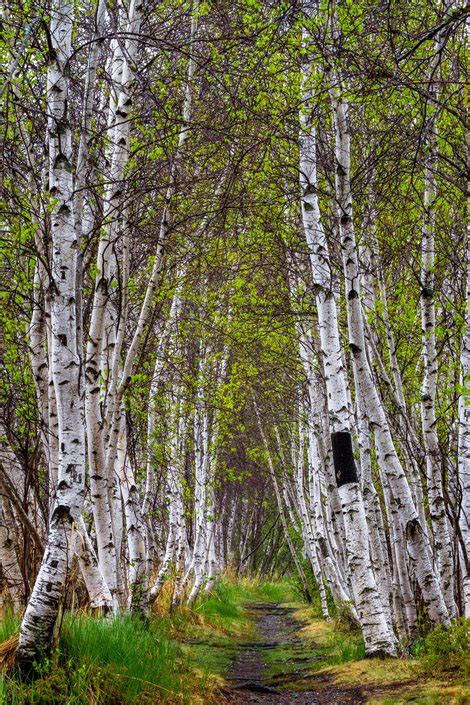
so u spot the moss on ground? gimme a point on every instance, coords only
(438, 675)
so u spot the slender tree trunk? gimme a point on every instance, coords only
(378, 636)
(437, 510)
(98, 591)
(102, 331)
(464, 443)
(135, 526)
(174, 500)
(36, 631)
(405, 512)
(285, 526)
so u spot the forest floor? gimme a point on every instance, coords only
(247, 642)
(282, 653)
(275, 668)
(287, 664)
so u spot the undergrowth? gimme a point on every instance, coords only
(445, 649)
(110, 662)
(177, 656)
(345, 646)
(223, 624)
(9, 625)
(125, 661)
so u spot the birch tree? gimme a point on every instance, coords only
(41, 613)
(377, 634)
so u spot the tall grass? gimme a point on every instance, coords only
(224, 606)
(345, 646)
(9, 625)
(123, 661)
(141, 657)
(111, 662)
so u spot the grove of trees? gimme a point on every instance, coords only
(234, 307)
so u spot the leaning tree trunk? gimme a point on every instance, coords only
(378, 636)
(37, 628)
(403, 508)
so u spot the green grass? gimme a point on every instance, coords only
(213, 651)
(253, 590)
(346, 648)
(175, 657)
(225, 624)
(303, 653)
(137, 654)
(109, 661)
(124, 661)
(8, 626)
(223, 608)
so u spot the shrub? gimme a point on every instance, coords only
(445, 648)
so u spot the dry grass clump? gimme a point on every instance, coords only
(7, 652)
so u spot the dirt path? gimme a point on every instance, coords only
(275, 669)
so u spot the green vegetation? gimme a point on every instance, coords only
(170, 658)
(446, 650)
(436, 673)
(8, 626)
(228, 594)
(183, 656)
(224, 624)
(110, 661)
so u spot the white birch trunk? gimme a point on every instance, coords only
(277, 492)
(309, 540)
(437, 510)
(175, 501)
(135, 527)
(377, 538)
(102, 322)
(463, 461)
(405, 511)
(378, 636)
(150, 490)
(98, 592)
(38, 623)
(202, 528)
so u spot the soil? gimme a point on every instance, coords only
(253, 678)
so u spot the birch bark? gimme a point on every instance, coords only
(378, 636)
(463, 462)
(102, 322)
(404, 510)
(277, 492)
(437, 511)
(41, 613)
(175, 500)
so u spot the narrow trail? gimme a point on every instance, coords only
(273, 668)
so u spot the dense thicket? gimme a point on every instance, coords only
(235, 324)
